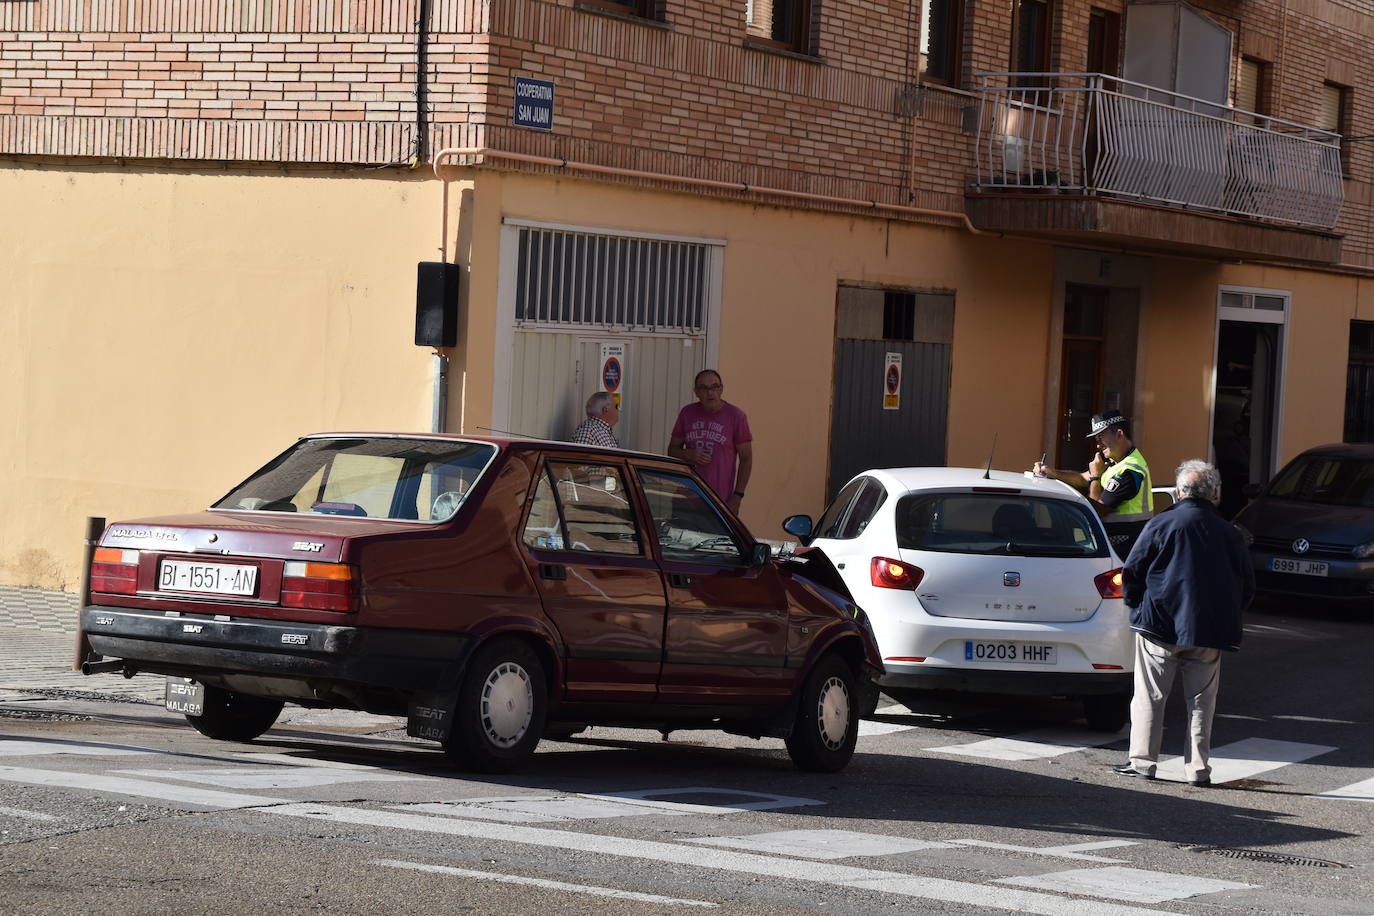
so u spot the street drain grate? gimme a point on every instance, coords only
(1273, 858)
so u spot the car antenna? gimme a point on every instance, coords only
(987, 474)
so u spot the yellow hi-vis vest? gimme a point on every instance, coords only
(1140, 507)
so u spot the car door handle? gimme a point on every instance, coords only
(553, 571)
(679, 580)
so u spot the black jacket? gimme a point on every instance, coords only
(1188, 578)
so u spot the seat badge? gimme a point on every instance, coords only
(312, 546)
(1011, 579)
(1301, 545)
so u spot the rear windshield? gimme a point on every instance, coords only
(423, 480)
(998, 524)
(1328, 480)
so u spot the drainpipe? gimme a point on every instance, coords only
(422, 80)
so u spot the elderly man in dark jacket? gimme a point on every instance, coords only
(1187, 581)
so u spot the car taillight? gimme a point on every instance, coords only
(1109, 584)
(114, 571)
(886, 573)
(319, 586)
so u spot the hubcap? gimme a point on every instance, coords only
(507, 704)
(832, 713)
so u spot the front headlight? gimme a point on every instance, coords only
(1245, 533)
(1360, 551)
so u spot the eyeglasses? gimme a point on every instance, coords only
(715, 387)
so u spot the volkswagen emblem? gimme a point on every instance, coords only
(1011, 579)
(1301, 546)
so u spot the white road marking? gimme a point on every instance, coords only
(16, 747)
(540, 882)
(138, 788)
(295, 761)
(1317, 720)
(1246, 758)
(1134, 885)
(1033, 745)
(26, 815)
(1074, 851)
(822, 844)
(268, 777)
(869, 728)
(943, 889)
(1358, 791)
(533, 809)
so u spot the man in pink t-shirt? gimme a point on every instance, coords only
(712, 435)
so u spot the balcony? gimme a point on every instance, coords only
(1093, 159)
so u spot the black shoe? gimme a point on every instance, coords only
(1128, 769)
(1202, 782)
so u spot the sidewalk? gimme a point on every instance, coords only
(37, 633)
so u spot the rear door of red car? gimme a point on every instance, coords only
(726, 640)
(598, 581)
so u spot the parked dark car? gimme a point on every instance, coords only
(1311, 529)
(486, 589)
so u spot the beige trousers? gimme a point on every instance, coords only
(1155, 668)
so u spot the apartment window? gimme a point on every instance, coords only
(1252, 86)
(1104, 42)
(1031, 39)
(1335, 116)
(942, 37)
(642, 8)
(784, 24)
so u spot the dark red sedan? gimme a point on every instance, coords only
(489, 590)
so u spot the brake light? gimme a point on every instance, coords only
(1109, 584)
(319, 586)
(886, 573)
(114, 571)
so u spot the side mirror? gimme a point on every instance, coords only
(760, 555)
(800, 525)
(1251, 490)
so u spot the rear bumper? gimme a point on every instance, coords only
(1019, 683)
(205, 648)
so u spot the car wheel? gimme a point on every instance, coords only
(230, 716)
(827, 724)
(1107, 712)
(501, 709)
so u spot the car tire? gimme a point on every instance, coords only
(230, 716)
(1107, 712)
(827, 724)
(501, 709)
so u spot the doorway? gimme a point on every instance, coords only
(1244, 407)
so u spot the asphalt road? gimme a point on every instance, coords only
(953, 806)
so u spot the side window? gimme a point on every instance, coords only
(688, 525)
(833, 516)
(869, 500)
(582, 507)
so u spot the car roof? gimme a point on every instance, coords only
(505, 443)
(942, 478)
(1343, 450)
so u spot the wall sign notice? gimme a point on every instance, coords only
(892, 382)
(613, 369)
(533, 103)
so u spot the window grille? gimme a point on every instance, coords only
(579, 279)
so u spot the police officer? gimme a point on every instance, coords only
(1117, 481)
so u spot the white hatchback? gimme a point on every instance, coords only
(981, 581)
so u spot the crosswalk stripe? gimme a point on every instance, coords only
(541, 882)
(1247, 758)
(1358, 791)
(1033, 745)
(977, 896)
(25, 815)
(139, 788)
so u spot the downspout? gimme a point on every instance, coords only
(421, 144)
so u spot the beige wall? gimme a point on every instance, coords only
(165, 333)
(168, 332)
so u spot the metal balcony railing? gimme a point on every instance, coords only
(1086, 133)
